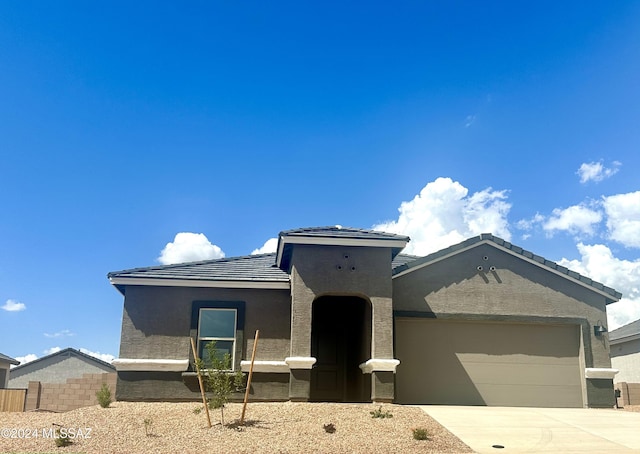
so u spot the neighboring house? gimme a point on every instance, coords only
(57, 368)
(625, 352)
(344, 316)
(5, 365)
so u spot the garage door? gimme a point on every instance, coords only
(477, 363)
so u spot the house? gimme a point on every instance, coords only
(345, 316)
(625, 352)
(57, 368)
(5, 365)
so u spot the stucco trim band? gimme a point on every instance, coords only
(600, 372)
(300, 362)
(265, 366)
(147, 364)
(379, 365)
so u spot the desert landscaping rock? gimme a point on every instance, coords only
(285, 427)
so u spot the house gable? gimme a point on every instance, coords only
(610, 294)
(57, 368)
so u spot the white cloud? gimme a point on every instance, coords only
(63, 333)
(189, 247)
(269, 246)
(623, 218)
(577, 219)
(52, 350)
(595, 171)
(443, 214)
(597, 262)
(469, 120)
(13, 306)
(106, 357)
(25, 359)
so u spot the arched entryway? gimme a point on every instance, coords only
(340, 342)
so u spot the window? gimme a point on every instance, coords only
(219, 325)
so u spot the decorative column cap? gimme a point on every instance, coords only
(379, 365)
(300, 362)
(600, 372)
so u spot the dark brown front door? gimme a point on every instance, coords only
(340, 343)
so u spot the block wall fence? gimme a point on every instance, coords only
(75, 393)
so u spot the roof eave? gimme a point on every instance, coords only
(120, 282)
(396, 244)
(624, 339)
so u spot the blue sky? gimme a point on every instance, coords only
(124, 124)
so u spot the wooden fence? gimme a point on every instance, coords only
(12, 399)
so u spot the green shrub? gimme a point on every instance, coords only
(148, 423)
(62, 439)
(420, 434)
(104, 396)
(381, 414)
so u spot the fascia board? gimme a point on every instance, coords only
(337, 241)
(161, 282)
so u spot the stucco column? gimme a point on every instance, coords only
(382, 372)
(300, 361)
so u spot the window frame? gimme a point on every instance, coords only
(219, 338)
(239, 306)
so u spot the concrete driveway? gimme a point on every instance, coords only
(559, 430)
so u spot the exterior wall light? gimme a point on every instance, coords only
(599, 330)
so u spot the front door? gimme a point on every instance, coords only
(340, 342)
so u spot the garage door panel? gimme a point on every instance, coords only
(523, 373)
(528, 395)
(484, 363)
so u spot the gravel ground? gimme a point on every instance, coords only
(269, 428)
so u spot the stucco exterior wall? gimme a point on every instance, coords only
(516, 291)
(625, 357)
(342, 270)
(156, 324)
(55, 370)
(4, 374)
(156, 321)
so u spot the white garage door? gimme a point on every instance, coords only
(486, 363)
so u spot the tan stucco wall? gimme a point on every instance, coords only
(626, 358)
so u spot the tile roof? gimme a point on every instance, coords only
(631, 329)
(9, 359)
(343, 232)
(248, 268)
(611, 293)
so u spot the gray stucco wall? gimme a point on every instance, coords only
(156, 321)
(625, 357)
(4, 373)
(342, 270)
(515, 291)
(156, 324)
(54, 370)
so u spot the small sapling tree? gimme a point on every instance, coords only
(219, 380)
